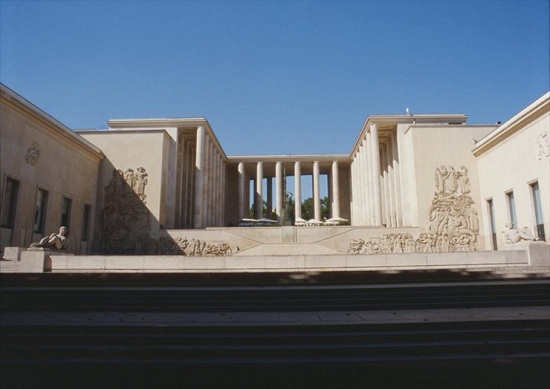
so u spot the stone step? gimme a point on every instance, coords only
(263, 299)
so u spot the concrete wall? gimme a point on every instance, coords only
(66, 166)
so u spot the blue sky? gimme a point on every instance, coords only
(279, 77)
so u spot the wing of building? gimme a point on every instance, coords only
(428, 182)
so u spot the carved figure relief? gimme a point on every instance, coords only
(543, 145)
(140, 180)
(193, 247)
(453, 222)
(33, 153)
(124, 216)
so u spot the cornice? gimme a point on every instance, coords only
(163, 123)
(412, 119)
(532, 112)
(16, 102)
(287, 158)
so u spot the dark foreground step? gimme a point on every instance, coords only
(274, 345)
(305, 298)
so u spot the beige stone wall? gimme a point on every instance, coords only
(147, 149)
(448, 146)
(512, 165)
(66, 167)
(409, 200)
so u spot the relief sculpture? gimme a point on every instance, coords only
(543, 146)
(193, 248)
(33, 153)
(453, 222)
(124, 216)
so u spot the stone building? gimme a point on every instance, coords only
(49, 176)
(411, 183)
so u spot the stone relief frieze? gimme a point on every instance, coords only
(124, 215)
(33, 154)
(543, 146)
(193, 247)
(453, 221)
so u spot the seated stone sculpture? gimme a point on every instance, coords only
(513, 235)
(54, 241)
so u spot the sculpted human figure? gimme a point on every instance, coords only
(451, 183)
(141, 180)
(463, 180)
(55, 241)
(441, 175)
(129, 177)
(514, 235)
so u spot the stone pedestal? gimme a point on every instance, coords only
(537, 252)
(13, 253)
(36, 261)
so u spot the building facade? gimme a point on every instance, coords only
(458, 185)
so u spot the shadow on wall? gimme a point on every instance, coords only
(125, 224)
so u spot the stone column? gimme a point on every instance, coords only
(217, 204)
(316, 192)
(259, 197)
(206, 183)
(370, 193)
(353, 180)
(386, 195)
(222, 192)
(269, 197)
(397, 182)
(391, 187)
(360, 188)
(365, 183)
(297, 190)
(335, 190)
(375, 158)
(199, 171)
(279, 191)
(242, 197)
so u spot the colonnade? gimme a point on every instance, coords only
(210, 177)
(376, 185)
(259, 195)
